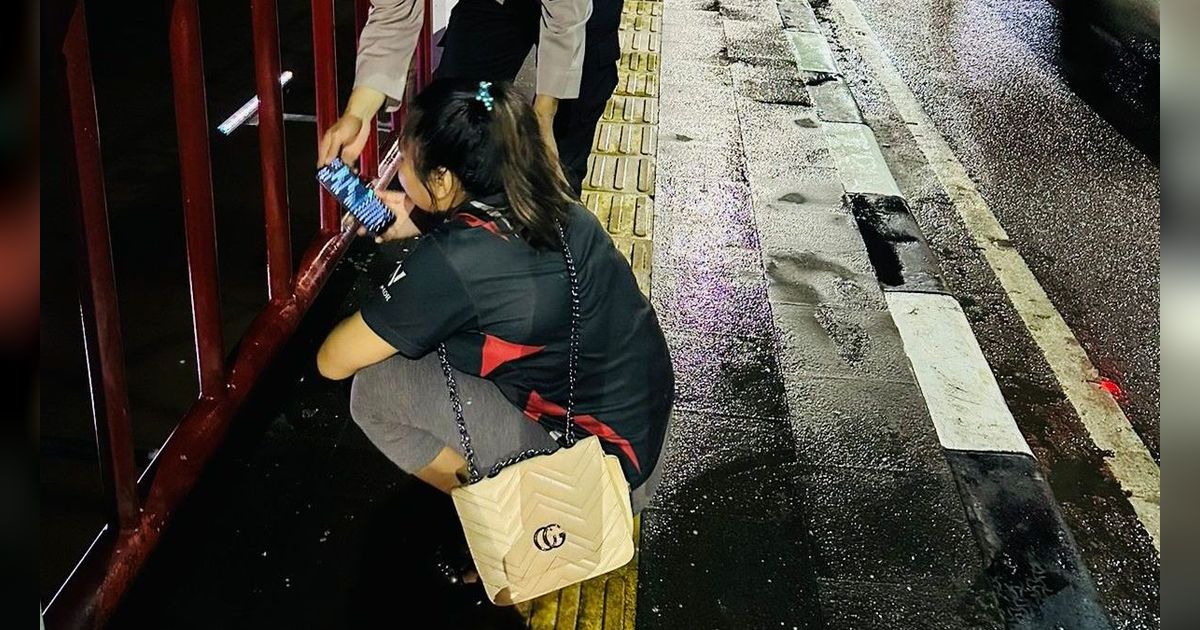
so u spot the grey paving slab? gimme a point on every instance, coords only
(713, 300)
(834, 101)
(840, 280)
(705, 48)
(827, 341)
(735, 466)
(726, 374)
(807, 230)
(698, 115)
(817, 188)
(694, 75)
(696, 218)
(686, 201)
(688, 12)
(798, 15)
(685, 158)
(747, 41)
(770, 81)
(867, 424)
(888, 526)
(725, 259)
(779, 138)
(812, 52)
(697, 127)
(852, 605)
(763, 11)
(702, 571)
(705, 244)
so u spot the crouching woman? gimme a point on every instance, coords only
(488, 281)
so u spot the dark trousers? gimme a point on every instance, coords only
(488, 41)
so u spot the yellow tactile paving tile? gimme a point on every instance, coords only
(631, 109)
(647, 23)
(639, 61)
(640, 41)
(637, 84)
(608, 602)
(622, 214)
(643, 7)
(625, 139)
(619, 190)
(620, 173)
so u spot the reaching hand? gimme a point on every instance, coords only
(345, 139)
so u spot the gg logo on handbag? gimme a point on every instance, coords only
(549, 537)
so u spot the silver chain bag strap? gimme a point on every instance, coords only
(543, 519)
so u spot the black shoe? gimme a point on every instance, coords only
(454, 563)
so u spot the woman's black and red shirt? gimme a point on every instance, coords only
(502, 308)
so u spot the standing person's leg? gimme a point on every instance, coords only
(486, 40)
(575, 123)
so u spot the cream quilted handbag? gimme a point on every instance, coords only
(543, 520)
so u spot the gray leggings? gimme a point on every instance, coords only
(404, 409)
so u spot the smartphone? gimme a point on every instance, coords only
(356, 196)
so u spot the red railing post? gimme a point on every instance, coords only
(191, 126)
(98, 292)
(368, 163)
(265, 25)
(93, 591)
(325, 69)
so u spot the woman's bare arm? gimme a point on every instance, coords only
(350, 347)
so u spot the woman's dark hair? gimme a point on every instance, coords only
(490, 150)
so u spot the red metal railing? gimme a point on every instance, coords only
(95, 587)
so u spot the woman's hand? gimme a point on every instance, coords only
(401, 206)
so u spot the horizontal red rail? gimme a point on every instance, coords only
(93, 591)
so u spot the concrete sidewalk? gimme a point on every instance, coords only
(805, 485)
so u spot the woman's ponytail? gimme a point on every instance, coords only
(537, 191)
(486, 134)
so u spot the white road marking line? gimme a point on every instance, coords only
(1128, 459)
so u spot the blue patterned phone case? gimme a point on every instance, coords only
(356, 196)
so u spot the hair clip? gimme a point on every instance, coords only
(484, 95)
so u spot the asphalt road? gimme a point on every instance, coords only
(1078, 199)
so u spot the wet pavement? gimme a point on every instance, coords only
(804, 486)
(1078, 199)
(1081, 205)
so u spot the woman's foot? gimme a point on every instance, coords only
(454, 563)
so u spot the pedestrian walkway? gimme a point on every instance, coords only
(804, 486)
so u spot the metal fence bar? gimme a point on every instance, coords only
(98, 295)
(195, 165)
(203, 429)
(325, 79)
(265, 25)
(93, 591)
